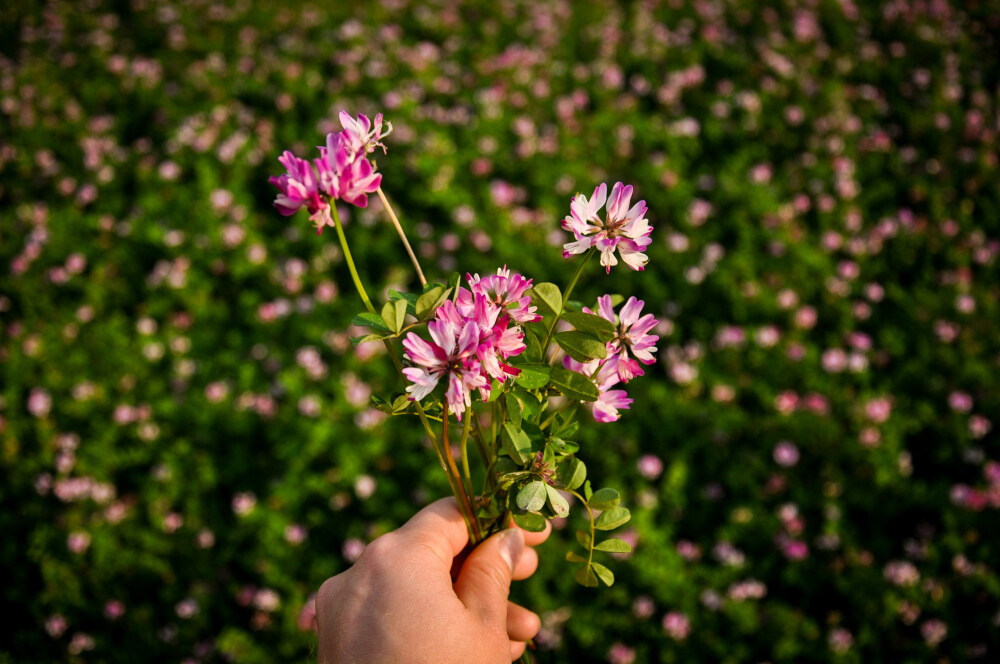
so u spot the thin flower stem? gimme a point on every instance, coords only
(402, 235)
(350, 260)
(440, 447)
(463, 445)
(544, 425)
(565, 298)
(590, 512)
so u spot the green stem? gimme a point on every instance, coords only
(463, 445)
(548, 420)
(593, 532)
(565, 298)
(350, 260)
(441, 449)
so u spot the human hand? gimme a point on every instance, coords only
(398, 602)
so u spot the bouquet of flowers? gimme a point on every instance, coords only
(500, 361)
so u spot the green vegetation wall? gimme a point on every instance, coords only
(188, 447)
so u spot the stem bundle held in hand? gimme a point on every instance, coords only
(486, 358)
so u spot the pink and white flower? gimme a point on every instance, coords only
(632, 343)
(610, 401)
(624, 229)
(363, 137)
(505, 290)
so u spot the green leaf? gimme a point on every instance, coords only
(614, 546)
(381, 404)
(533, 347)
(585, 577)
(547, 296)
(496, 389)
(604, 499)
(581, 346)
(558, 504)
(572, 473)
(531, 497)
(367, 319)
(454, 281)
(604, 574)
(614, 517)
(600, 327)
(409, 298)
(574, 385)
(400, 314)
(515, 442)
(531, 404)
(430, 301)
(533, 376)
(616, 299)
(583, 537)
(588, 493)
(575, 557)
(533, 523)
(401, 403)
(389, 314)
(369, 337)
(514, 409)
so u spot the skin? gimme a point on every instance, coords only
(399, 603)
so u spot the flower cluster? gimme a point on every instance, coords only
(341, 172)
(631, 344)
(624, 230)
(471, 340)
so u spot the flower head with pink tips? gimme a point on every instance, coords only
(632, 343)
(624, 229)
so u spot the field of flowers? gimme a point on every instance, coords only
(188, 443)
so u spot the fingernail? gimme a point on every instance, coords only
(511, 546)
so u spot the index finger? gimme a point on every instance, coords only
(440, 527)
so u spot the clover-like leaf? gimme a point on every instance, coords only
(574, 385)
(582, 346)
(559, 505)
(605, 499)
(547, 296)
(600, 327)
(531, 496)
(603, 573)
(614, 545)
(614, 517)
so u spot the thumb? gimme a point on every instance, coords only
(484, 582)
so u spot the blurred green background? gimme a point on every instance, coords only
(188, 449)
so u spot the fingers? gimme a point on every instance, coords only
(517, 649)
(534, 539)
(522, 624)
(527, 565)
(439, 527)
(484, 582)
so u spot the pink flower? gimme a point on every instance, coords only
(362, 136)
(505, 290)
(451, 353)
(632, 336)
(606, 407)
(298, 187)
(470, 341)
(676, 625)
(342, 174)
(625, 229)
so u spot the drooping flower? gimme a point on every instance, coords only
(610, 401)
(505, 290)
(298, 187)
(624, 229)
(632, 343)
(344, 173)
(364, 138)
